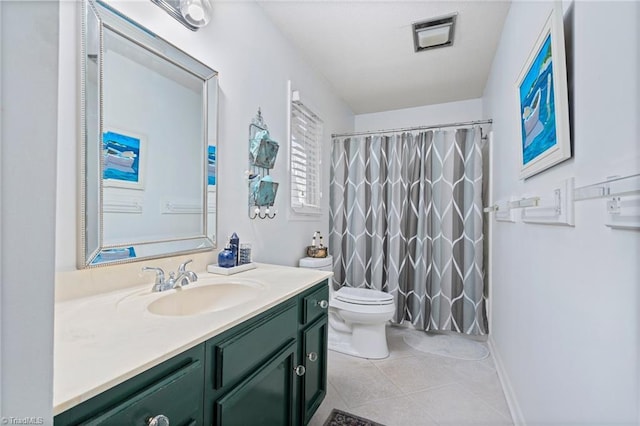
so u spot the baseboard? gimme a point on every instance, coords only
(509, 394)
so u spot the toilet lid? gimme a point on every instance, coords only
(363, 296)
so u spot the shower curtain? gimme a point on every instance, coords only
(406, 218)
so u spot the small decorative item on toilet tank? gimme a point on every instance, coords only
(314, 250)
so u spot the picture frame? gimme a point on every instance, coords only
(543, 100)
(123, 159)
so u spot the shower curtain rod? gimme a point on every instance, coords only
(408, 129)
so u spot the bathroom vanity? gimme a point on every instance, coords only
(256, 361)
(247, 349)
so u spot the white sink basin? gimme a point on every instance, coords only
(204, 298)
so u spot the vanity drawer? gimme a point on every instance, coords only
(243, 352)
(173, 389)
(315, 304)
(178, 397)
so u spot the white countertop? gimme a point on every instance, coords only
(103, 340)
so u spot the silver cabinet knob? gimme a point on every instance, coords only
(323, 304)
(313, 357)
(159, 420)
(300, 370)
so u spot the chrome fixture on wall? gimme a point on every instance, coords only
(193, 14)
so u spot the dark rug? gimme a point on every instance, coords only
(340, 418)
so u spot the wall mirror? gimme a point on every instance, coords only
(148, 144)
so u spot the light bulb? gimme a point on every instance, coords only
(196, 12)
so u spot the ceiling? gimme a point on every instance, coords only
(365, 48)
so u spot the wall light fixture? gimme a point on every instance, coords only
(193, 14)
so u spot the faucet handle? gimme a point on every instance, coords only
(159, 273)
(183, 266)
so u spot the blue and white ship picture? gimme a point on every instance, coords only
(211, 165)
(121, 157)
(537, 106)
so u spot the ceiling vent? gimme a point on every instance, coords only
(434, 33)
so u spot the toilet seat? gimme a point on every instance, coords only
(363, 296)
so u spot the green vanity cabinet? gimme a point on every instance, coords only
(269, 370)
(273, 371)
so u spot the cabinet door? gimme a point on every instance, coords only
(314, 381)
(265, 398)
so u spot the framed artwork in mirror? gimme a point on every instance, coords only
(543, 100)
(123, 159)
(211, 165)
(110, 255)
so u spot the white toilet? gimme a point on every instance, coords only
(357, 316)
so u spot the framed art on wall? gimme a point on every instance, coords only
(543, 100)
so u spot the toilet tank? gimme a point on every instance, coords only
(321, 263)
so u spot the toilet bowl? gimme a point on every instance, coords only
(357, 317)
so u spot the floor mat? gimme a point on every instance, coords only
(340, 418)
(448, 345)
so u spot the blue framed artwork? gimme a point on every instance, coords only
(543, 100)
(123, 159)
(211, 165)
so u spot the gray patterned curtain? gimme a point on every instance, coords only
(406, 218)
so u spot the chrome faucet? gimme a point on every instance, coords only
(184, 277)
(160, 284)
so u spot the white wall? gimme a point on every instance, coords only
(565, 300)
(29, 34)
(428, 115)
(254, 62)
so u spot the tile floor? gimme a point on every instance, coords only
(414, 388)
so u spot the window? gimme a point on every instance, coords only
(305, 159)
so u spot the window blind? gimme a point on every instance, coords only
(306, 159)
